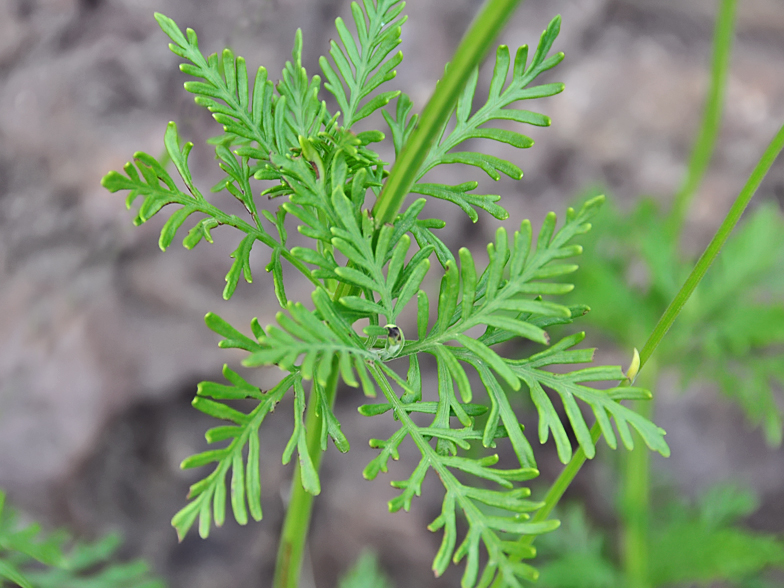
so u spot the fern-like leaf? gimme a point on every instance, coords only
(500, 97)
(209, 495)
(378, 32)
(603, 403)
(461, 196)
(227, 96)
(514, 307)
(283, 135)
(506, 305)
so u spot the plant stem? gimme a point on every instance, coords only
(711, 118)
(297, 521)
(710, 253)
(696, 275)
(569, 472)
(635, 508)
(701, 152)
(472, 49)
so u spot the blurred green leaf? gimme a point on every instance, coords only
(365, 573)
(32, 559)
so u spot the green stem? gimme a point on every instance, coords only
(635, 510)
(568, 474)
(295, 527)
(472, 49)
(721, 236)
(669, 316)
(711, 118)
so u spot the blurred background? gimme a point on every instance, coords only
(102, 339)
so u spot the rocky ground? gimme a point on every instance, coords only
(101, 335)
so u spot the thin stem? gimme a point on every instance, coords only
(295, 526)
(635, 510)
(711, 118)
(472, 49)
(721, 236)
(568, 474)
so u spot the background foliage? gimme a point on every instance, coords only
(32, 559)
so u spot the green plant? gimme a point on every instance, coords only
(368, 264)
(32, 560)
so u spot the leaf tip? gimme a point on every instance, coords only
(555, 24)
